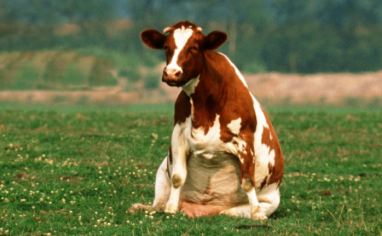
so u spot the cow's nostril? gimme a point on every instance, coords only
(172, 74)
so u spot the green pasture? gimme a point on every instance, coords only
(76, 171)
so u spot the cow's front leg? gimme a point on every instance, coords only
(179, 168)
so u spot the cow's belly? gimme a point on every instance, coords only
(214, 180)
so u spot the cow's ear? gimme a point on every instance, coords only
(153, 38)
(214, 40)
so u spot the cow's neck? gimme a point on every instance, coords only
(207, 92)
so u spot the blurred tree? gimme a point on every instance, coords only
(350, 13)
(48, 12)
(324, 35)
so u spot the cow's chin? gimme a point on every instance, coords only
(175, 83)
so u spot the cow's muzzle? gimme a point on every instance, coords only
(172, 77)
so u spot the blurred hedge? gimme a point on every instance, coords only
(264, 35)
(302, 48)
(54, 70)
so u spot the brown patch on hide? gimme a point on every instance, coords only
(264, 182)
(169, 162)
(182, 108)
(170, 154)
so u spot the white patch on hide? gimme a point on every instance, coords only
(181, 37)
(264, 156)
(208, 155)
(178, 144)
(252, 198)
(269, 198)
(201, 142)
(235, 126)
(269, 193)
(241, 145)
(189, 87)
(162, 185)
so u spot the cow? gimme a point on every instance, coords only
(224, 156)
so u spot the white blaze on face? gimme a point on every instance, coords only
(181, 37)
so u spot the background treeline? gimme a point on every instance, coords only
(293, 36)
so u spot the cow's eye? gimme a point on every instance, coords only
(165, 48)
(193, 50)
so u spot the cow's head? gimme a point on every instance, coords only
(184, 45)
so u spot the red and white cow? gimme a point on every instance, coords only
(224, 155)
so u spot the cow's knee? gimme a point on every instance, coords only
(176, 180)
(247, 184)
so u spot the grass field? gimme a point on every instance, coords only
(75, 171)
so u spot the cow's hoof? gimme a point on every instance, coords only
(259, 216)
(228, 212)
(257, 213)
(171, 208)
(159, 207)
(236, 213)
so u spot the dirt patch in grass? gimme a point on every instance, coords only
(321, 89)
(268, 88)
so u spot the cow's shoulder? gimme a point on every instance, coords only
(182, 108)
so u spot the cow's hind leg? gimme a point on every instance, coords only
(269, 200)
(255, 208)
(162, 186)
(247, 180)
